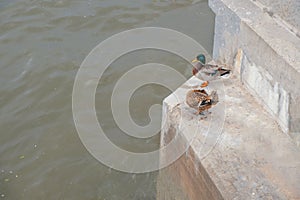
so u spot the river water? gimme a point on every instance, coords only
(42, 44)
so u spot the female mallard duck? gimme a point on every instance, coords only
(200, 100)
(207, 72)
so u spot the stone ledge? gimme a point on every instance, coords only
(251, 158)
(268, 48)
(277, 36)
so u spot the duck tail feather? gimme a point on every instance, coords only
(225, 71)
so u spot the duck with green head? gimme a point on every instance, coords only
(207, 72)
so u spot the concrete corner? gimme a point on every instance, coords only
(265, 54)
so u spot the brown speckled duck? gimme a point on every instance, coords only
(200, 100)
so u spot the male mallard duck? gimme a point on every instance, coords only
(200, 100)
(207, 72)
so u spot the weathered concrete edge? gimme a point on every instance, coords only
(274, 55)
(252, 158)
(253, 15)
(235, 45)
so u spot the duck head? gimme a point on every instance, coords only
(200, 58)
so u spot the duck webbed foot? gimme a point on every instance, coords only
(203, 114)
(200, 113)
(204, 84)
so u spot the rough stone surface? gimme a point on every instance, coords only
(270, 61)
(249, 157)
(239, 151)
(287, 10)
(273, 96)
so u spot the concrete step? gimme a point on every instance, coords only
(268, 52)
(237, 152)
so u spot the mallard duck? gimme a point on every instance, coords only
(207, 72)
(200, 100)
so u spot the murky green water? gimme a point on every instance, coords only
(42, 44)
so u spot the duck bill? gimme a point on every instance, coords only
(195, 60)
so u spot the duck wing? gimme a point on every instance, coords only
(194, 98)
(210, 69)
